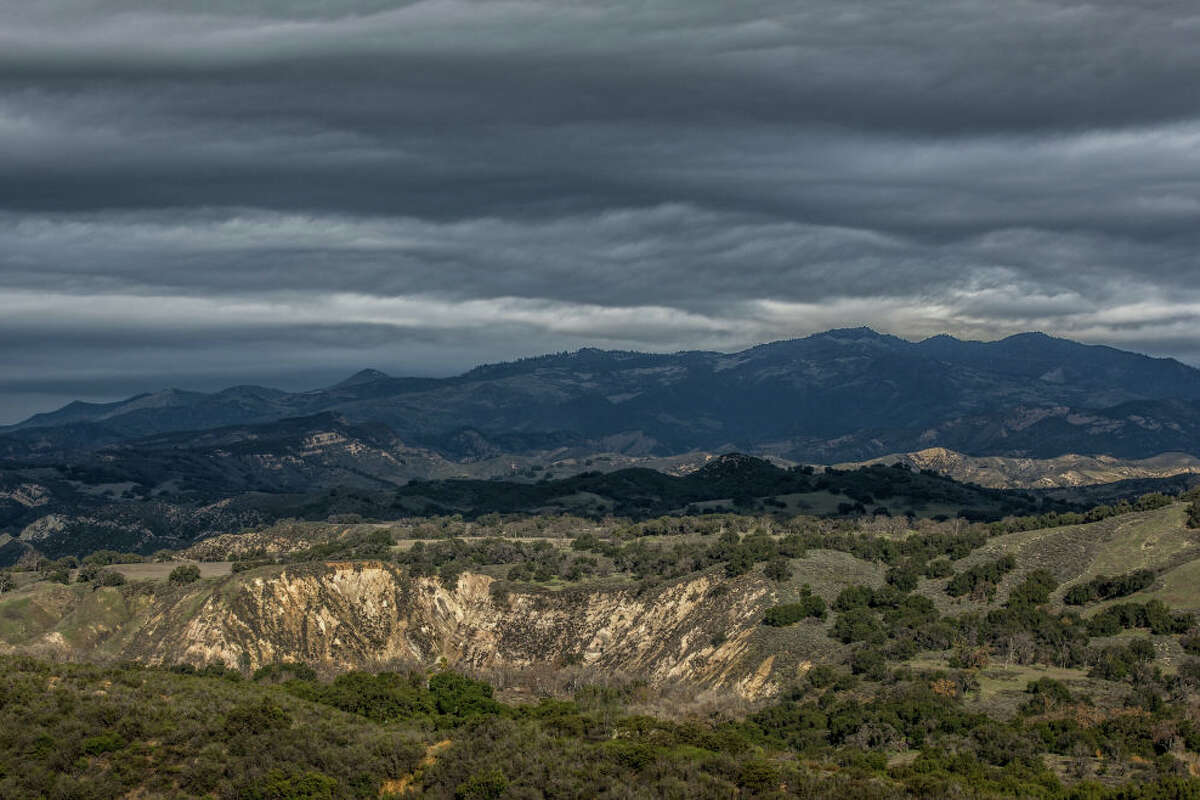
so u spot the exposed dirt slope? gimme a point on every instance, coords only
(357, 614)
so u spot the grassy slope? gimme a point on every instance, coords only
(1150, 540)
(1157, 540)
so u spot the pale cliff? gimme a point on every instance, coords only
(704, 631)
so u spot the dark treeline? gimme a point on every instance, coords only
(735, 482)
(1058, 519)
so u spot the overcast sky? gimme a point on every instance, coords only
(207, 192)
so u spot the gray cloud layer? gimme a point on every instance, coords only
(201, 192)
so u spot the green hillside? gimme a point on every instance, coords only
(714, 655)
(1159, 541)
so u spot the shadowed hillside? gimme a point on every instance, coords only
(840, 395)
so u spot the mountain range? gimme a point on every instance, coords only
(842, 395)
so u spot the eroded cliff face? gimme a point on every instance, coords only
(703, 631)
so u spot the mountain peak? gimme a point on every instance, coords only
(364, 376)
(852, 333)
(1032, 336)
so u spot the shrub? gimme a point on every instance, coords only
(858, 625)
(759, 776)
(1118, 663)
(854, 597)
(104, 743)
(981, 577)
(460, 697)
(822, 675)
(869, 662)
(904, 580)
(384, 697)
(489, 785)
(284, 670)
(280, 785)
(741, 560)
(184, 574)
(784, 615)
(1190, 670)
(450, 571)
(939, 568)
(778, 569)
(1047, 693)
(634, 755)
(810, 605)
(110, 577)
(1034, 590)
(256, 718)
(106, 558)
(1154, 615)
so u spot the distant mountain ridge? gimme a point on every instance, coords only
(842, 395)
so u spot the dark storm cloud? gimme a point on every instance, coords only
(909, 65)
(259, 190)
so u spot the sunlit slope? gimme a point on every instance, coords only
(704, 630)
(1157, 540)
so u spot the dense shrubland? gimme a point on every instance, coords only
(75, 731)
